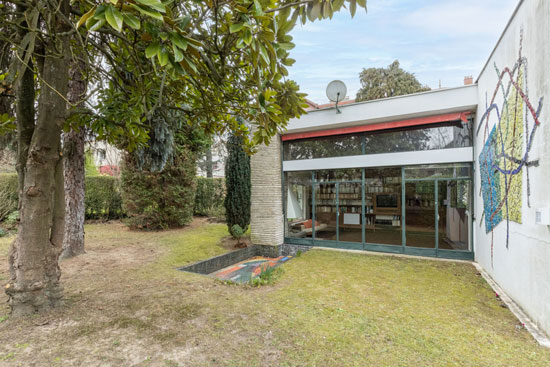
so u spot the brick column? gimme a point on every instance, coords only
(266, 220)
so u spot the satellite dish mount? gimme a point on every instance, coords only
(336, 92)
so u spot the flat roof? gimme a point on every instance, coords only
(434, 102)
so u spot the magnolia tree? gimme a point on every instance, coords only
(212, 60)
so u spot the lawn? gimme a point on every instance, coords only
(126, 305)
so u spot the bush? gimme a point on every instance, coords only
(11, 220)
(159, 200)
(102, 198)
(209, 196)
(9, 197)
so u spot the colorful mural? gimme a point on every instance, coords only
(505, 155)
(246, 270)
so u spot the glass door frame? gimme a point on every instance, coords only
(418, 251)
(337, 243)
(436, 250)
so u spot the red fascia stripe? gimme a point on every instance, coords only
(381, 126)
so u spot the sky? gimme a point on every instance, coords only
(437, 40)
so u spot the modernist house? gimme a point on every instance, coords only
(459, 173)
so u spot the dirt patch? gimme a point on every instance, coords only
(230, 243)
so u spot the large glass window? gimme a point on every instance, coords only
(326, 211)
(383, 206)
(456, 170)
(298, 205)
(454, 214)
(350, 210)
(418, 138)
(339, 175)
(330, 146)
(372, 208)
(420, 214)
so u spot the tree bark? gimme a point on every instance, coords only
(73, 166)
(34, 271)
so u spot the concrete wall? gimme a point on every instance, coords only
(510, 246)
(266, 219)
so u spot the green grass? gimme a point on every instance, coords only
(326, 308)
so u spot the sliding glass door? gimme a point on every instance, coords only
(421, 210)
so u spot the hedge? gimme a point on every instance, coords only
(8, 194)
(210, 196)
(102, 198)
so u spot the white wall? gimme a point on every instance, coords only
(522, 269)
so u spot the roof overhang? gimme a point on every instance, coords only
(429, 120)
(438, 104)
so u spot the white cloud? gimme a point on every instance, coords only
(460, 18)
(441, 40)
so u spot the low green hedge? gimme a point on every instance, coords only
(102, 198)
(209, 196)
(8, 194)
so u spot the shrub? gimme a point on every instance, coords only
(11, 220)
(159, 200)
(210, 196)
(102, 198)
(237, 180)
(9, 197)
(237, 233)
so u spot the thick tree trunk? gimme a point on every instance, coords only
(73, 157)
(34, 271)
(209, 163)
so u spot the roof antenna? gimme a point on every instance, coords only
(336, 92)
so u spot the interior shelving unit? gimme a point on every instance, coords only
(382, 202)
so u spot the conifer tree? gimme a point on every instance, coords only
(237, 180)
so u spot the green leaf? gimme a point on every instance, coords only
(184, 22)
(337, 4)
(154, 4)
(235, 27)
(152, 14)
(114, 18)
(85, 17)
(132, 21)
(247, 37)
(163, 56)
(264, 54)
(352, 7)
(152, 50)
(286, 45)
(288, 61)
(97, 25)
(258, 8)
(179, 41)
(178, 55)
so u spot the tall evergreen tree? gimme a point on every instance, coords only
(387, 82)
(237, 180)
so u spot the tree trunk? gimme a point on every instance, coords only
(209, 163)
(34, 271)
(73, 157)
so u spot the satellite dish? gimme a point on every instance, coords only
(336, 92)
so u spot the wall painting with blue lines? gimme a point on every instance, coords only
(505, 154)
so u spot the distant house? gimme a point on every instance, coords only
(106, 157)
